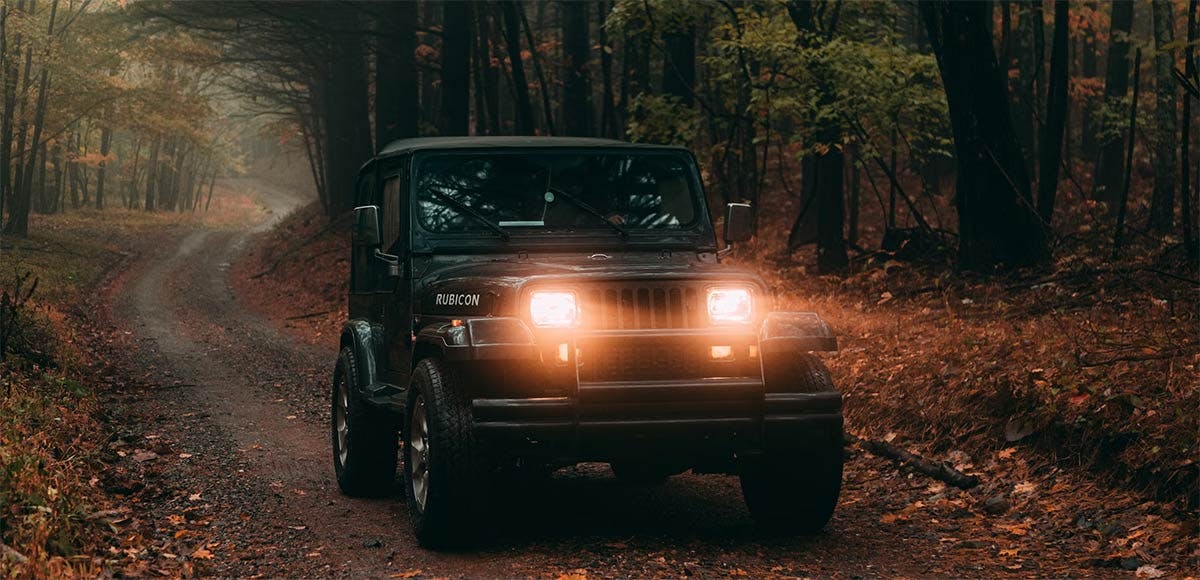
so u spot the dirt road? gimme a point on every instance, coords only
(239, 416)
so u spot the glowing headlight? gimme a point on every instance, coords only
(554, 309)
(730, 306)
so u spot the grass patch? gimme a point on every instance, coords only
(52, 507)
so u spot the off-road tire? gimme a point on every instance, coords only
(447, 519)
(369, 466)
(795, 489)
(803, 373)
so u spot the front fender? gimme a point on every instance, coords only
(360, 336)
(792, 332)
(478, 339)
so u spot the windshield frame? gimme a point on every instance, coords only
(699, 235)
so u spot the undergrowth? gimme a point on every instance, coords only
(53, 516)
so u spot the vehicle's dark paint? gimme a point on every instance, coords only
(366, 340)
(643, 392)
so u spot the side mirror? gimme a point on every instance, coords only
(366, 226)
(739, 222)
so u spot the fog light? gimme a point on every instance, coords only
(721, 352)
(563, 352)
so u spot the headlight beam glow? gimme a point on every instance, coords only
(730, 306)
(554, 309)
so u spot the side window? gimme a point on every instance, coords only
(391, 211)
(366, 188)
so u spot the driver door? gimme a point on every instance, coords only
(397, 296)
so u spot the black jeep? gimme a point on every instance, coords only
(522, 304)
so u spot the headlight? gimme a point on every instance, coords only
(730, 306)
(554, 309)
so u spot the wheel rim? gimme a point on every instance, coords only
(341, 420)
(418, 453)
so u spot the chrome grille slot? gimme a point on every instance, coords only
(629, 306)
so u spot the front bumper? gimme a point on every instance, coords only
(530, 399)
(565, 427)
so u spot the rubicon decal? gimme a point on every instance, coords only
(448, 299)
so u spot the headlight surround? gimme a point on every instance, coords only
(730, 306)
(554, 309)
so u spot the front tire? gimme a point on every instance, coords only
(441, 458)
(795, 488)
(364, 440)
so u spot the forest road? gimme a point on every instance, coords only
(244, 412)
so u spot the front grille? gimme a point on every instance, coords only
(625, 361)
(642, 306)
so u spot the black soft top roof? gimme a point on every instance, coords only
(443, 143)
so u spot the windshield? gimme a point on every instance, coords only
(533, 191)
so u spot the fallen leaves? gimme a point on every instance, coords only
(1025, 487)
(144, 456)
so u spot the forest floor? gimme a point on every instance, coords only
(215, 345)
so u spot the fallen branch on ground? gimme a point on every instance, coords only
(1088, 359)
(938, 470)
(13, 554)
(309, 315)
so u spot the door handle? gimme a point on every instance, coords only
(393, 263)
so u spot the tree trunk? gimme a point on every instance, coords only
(43, 200)
(804, 228)
(133, 174)
(1089, 69)
(152, 175)
(1026, 82)
(347, 117)
(1116, 87)
(854, 196)
(543, 86)
(9, 87)
(18, 221)
(608, 115)
(166, 177)
(512, 41)
(396, 88)
(1185, 179)
(17, 188)
(1123, 200)
(1162, 203)
(577, 88)
(679, 65)
(1056, 116)
(456, 70)
(212, 182)
(57, 192)
(105, 145)
(831, 243)
(489, 74)
(997, 223)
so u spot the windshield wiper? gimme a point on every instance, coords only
(579, 203)
(466, 209)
